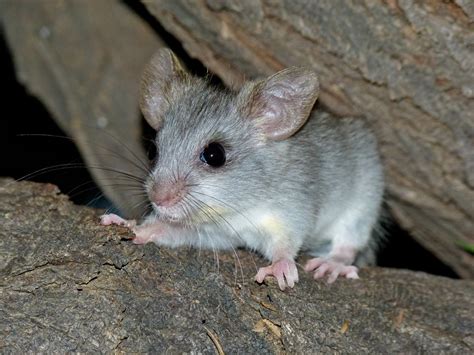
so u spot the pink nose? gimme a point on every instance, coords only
(166, 195)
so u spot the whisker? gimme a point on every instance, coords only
(97, 197)
(225, 204)
(133, 183)
(214, 249)
(228, 224)
(66, 166)
(143, 167)
(123, 186)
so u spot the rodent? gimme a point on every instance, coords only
(258, 168)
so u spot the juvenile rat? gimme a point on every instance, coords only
(258, 168)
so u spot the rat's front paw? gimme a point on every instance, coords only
(283, 270)
(333, 269)
(147, 233)
(143, 234)
(108, 219)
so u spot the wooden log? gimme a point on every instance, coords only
(407, 66)
(84, 61)
(68, 284)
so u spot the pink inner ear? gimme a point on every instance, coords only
(281, 104)
(278, 121)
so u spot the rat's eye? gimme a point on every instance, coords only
(213, 155)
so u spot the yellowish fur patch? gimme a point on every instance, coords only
(272, 225)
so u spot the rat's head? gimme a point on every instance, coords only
(213, 144)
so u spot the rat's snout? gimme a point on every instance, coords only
(167, 194)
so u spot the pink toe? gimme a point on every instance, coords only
(262, 273)
(108, 219)
(290, 282)
(294, 273)
(352, 275)
(313, 264)
(333, 276)
(321, 271)
(349, 270)
(284, 271)
(259, 277)
(291, 275)
(281, 282)
(139, 241)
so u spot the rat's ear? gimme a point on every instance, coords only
(281, 104)
(163, 70)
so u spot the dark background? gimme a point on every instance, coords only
(30, 157)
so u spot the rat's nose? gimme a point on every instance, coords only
(167, 194)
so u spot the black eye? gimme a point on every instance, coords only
(213, 155)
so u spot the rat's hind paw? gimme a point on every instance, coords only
(283, 270)
(108, 219)
(333, 269)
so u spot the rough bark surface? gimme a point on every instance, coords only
(84, 60)
(408, 66)
(69, 284)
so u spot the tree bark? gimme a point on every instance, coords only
(407, 66)
(84, 60)
(68, 284)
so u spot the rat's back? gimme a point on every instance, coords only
(344, 181)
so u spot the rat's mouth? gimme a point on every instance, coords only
(173, 215)
(183, 215)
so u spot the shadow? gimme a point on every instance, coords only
(23, 153)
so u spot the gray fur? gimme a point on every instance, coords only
(323, 184)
